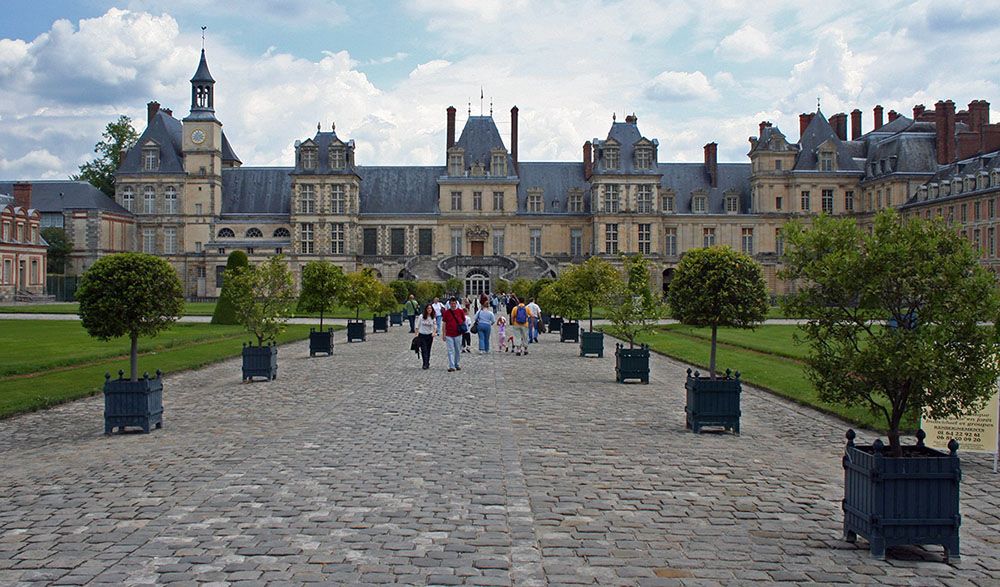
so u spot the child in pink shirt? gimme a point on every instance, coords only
(502, 333)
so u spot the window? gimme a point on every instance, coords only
(306, 237)
(965, 212)
(575, 202)
(219, 274)
(150, 159)
(849, 201)
(747, 241)
(611, 239)
(197, 209)
(254, 233)
(977, 241)
(226, 233)
(498, 164)
(535, 202)
(888, 196)
(611, 157)
(991, 242)
(804, 201)
(455, 164)
(826, 161)
(369, 241)
(644, 199)
(198, 247)
(477, 200)
(170, 200)
(976, 210)
(708, 237)
(456, 200)
(778, 201)
(128, 199)
(148, 240)
(308, 158)
(732, 204)
(611, 199)
(699, 204)
(645, 238)
(425, 241)
(779, 242)
(535, 242)
(670, 240)
(668, 202)
(307, 199)
(827, 201)
(878, 199)
(337, 159)
(170, 240)
(8, 271)
(148, 200)
(498, 244)
(456, 241)
(338, 202)
(397, 241)
(576, 242)
(282, 233)
(554, 205)
(777, 164)
(498, 200)
(643, 158)
(990, 208)
(337, 238)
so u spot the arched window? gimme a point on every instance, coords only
(282, 233)
(477, 282)
(254, 233)
(227, 233)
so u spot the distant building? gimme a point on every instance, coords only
(23, 252)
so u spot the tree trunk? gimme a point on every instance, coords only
(711, 361)
(895, 446)
(357, 313)
(591, 308)
(133, 358)
(321, 319)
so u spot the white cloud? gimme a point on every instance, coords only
(679, 86)
(745, 44)
(429, 68)
(39, 163)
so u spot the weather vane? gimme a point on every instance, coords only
(203, 37)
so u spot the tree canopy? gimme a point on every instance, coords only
(591, 281)
(59, 248)
(560, 298)
(632, 307)
(225, 308)
(361, 290)
(129, 294)
(263, 297)
(100, 172)
(322, 283)
(942, 354)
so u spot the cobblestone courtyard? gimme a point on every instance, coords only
(362, 468)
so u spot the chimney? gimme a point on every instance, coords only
(631, 118)
(839, 123)
(451, 126)
(893, 115)
(944, 126)
(151, 109)
(588, 160)
(22, 195)
(513, 136)
(979, 114)
(855, 124)
(764, 124)
(167, 111)
(712, 163)
(918, 111)
(878, 117)
(804, 120)
(968, 144)
(990, 137)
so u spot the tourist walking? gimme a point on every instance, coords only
(502, 334)
(533, 320)
(453, 323)
(411, 308)
(519, 319)
(484, 324)
(438, 308)
(426, 327)
(467, 334)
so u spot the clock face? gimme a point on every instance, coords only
(198, 137)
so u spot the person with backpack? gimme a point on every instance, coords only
(453, 322)
(484, 323)
(410, 310)
(520, 317)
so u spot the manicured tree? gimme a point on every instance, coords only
(561, 298)
(263, 297)
(129, 294)
(592, 281)
(942, 356)
(537, 286)
(521, 288)
(383, 300)
(453, 285)
(717, 286)
(632, 307)
(402, 289)
(360, 290)
(322, 282)
(225, 311)
(503, 285)
(426, 291)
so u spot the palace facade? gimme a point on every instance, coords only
(486, 215)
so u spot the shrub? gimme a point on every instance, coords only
(322, 282)
(426, 291)
(225, 310)
(402, 288)
(263, 297)
(453, 286)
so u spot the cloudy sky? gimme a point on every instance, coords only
(693, 72)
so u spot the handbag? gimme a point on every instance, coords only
(415, 344)
(475, 328)
(462, 326)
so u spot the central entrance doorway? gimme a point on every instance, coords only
(476, 282)
(477, 248)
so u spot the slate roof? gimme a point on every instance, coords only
(256, 190)
(323, 140)
(555, 180)
(51, 196)
(202, 74)
(685, 178)
(479, 137)
(400, 190)
(904, 152)
(228, 154)
(164, 130)
(626, 134)
(818, 132)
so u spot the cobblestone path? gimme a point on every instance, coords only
(362, 468)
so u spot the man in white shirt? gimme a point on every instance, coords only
(536, 315)
(438, 308)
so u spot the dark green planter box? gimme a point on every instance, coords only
(320, 342)
(631, 363)
(570, 332)
(133, 403)
(591, 343)
(355, 331)
(555, 324)
(713, 402)
(380, 323)
(260, 361)
(396, 319)
(909, 500)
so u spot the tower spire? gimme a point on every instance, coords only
(203, 90)
(203, 37)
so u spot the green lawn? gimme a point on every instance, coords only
(766, 357)
(62, 363)
(190, 309)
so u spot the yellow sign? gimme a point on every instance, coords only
(975, 432)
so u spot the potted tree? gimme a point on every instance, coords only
(130, 294)
(941, 360)
(401, 290)
(322, 282)
(560, 297)
(359, 291)
(717, 287)
(263, 296)
(633, 310)
(225, 312)
(382, 305)
(591, 280)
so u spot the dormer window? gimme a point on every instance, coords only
(699, 204)
(309, 158)
(644, 158)
(575, 201)
(826, 161)
(668, 201)
(226, 233)
(611, 157)
(732, 204)
(498, 164)
(338, 158)
(535, 202)
(151, 158)
(456, 163)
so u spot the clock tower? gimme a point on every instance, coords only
(202, 145)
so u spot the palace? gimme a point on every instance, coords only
(486, 215)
